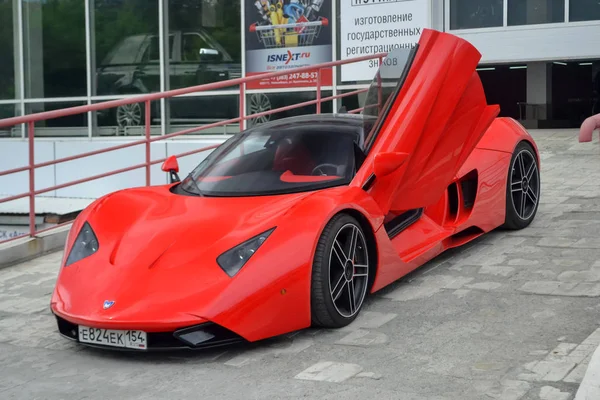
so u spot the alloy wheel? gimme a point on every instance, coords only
(259, 102)
(524, 184)
(129, 115)
(348, 270)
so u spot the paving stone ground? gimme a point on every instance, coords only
(512, 316)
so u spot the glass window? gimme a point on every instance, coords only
(73, 125)
(584, 10)
(54, 47)
(573, 97)
(7, 49)
(205, 45)
(9, 111)
(352, 102)
(191, 43)
(257, 103)
(191, 111)
(126, 120)
(505, 85)
(470, 14)
(529, 12)
(384, 89)
(125, 47)
(282, 157)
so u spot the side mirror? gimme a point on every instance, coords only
(386, 163)
(210, 54)
(171, 166)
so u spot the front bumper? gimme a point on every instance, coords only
(207, 335)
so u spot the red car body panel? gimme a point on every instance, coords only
(158, 250)
(438, 117)
(148, 289)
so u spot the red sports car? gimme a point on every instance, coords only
(292, 223)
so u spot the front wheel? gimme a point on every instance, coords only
(340, 274)
(522, 188)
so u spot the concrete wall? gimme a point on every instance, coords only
(14, 154)
(545, 42)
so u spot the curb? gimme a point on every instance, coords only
(590, 385)
(28, 248)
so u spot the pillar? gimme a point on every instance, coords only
(33, 49)
(539, 91)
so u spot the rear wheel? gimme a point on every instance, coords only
(130, 115)
(340, 274)
(522, 188)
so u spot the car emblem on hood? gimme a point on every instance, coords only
(108, 304)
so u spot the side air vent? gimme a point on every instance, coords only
(468, 185)
(461, 196)
(452, 201)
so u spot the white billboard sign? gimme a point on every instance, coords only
(377, 26)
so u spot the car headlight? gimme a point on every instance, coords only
(84, 246)
(234, 259)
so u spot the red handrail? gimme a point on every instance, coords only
(65, 112)
(31, 119)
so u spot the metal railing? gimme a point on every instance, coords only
(31, 119)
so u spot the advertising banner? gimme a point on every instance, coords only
(286, 34)
(378, 26)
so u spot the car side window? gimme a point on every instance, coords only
(152, 53)
(192, 43)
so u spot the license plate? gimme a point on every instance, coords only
(109, 337)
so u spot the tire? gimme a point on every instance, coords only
(522, 193)
(333, 308)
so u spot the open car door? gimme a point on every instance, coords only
(425, 112)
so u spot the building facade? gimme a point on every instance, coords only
(540, 59)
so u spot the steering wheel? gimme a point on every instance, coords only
(321, 169)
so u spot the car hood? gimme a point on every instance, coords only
(157, 252)
(141, 227)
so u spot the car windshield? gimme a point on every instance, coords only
(279, 158)
(384, 88)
